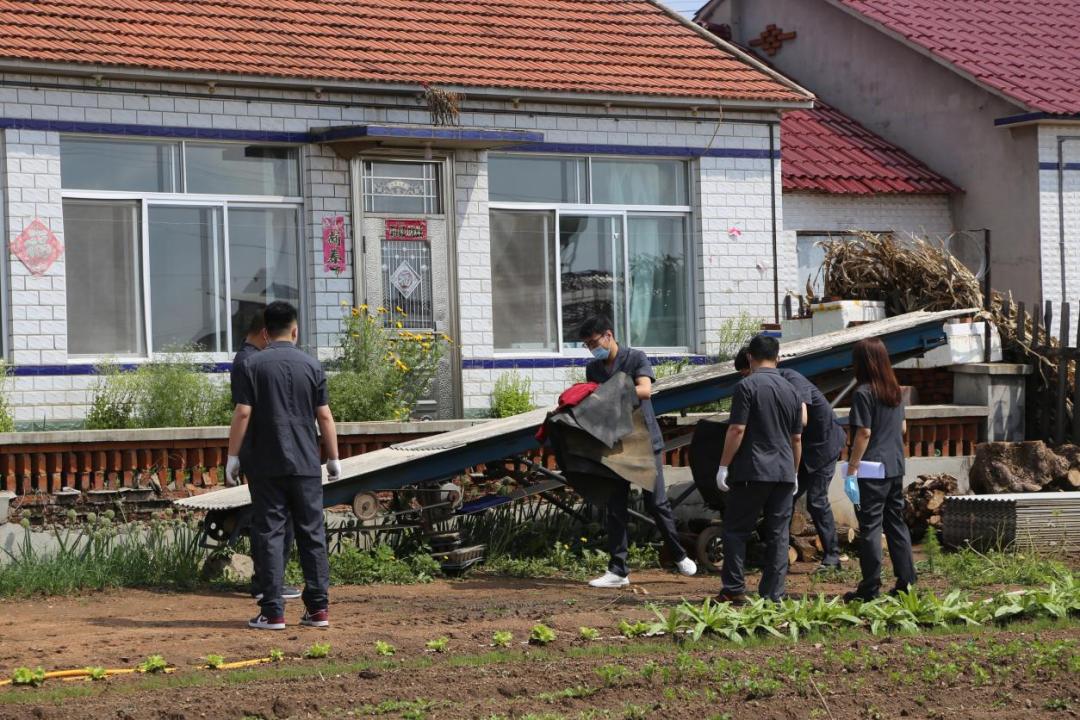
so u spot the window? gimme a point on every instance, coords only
(405, 188)
(104, 289)
(137, 165)
(160, 257)
(523, 267)
(627, 258)
(811, 256)
(537, 179)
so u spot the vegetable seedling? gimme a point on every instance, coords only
(588, 633)
(214, 662)
(318, 650)
(26, 676)
(96, 673)
(153, 664)
(502, 638)
(633, 630)
(438, 645)
(541, 635)
(384, 648)
(277, 655)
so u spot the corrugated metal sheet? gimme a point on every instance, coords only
(1043, 521)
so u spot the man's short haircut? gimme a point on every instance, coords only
(257, 323)
(763, 347)
(278, 317)
(596, 325)
(742, 359)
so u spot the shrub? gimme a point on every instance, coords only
(512, 395)
(353, 566)
(734, 333)
(170, 391)
(382, 369)
(7, 420)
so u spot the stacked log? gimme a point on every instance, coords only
(923, 501)
(1002, 467)
(804, 540)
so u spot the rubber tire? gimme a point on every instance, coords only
(709, 549)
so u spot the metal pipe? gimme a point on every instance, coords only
(988, 288)
(1061, 212)
(775, 249)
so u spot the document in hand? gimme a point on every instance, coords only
(867, 470)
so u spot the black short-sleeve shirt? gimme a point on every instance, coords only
(767, 405)
(635, 364)
(823, 437)
(284, 387)
(246, 351)
(886, 429)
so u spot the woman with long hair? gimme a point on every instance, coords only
(877, 418)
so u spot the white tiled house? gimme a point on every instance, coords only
(162, 180)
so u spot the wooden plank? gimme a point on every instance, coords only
(1021, 322)
(1063, 375)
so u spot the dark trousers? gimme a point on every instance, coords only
(743, 504)
(882, 504)
(275, 501)
(618, 519)
(816, 487)
(259, 579)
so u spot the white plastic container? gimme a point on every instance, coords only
(5, 501)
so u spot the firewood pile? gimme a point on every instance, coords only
(924, 498)
(805, 544)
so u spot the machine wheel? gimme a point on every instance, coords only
(709, 549)
(365, 506)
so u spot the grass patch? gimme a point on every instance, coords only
(969, 569)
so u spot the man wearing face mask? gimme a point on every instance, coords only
(609, 358)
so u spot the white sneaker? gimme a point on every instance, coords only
(687, 567)
(610, 580)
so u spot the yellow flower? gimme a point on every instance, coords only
(398, 308)
(344, 303)
(363, 308)
(382, 309)
(398, 325)
(355, 312)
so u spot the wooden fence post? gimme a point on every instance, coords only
(1063, 376)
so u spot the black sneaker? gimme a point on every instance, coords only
(316, 618)
(261, 622)
(856, 596)
(824, 569)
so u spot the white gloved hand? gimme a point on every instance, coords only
(721, 478)
(795, 490)
(333, 469)
(232, 471)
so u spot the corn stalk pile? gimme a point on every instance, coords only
(914, 274)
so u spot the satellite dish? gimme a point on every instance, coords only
(968, 246)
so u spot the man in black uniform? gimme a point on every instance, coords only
(281, 396)
(822, 440)
(762, 448)
(609, 358)
(254, 341)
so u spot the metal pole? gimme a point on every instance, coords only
(987, 290)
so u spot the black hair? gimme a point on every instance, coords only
(595, 325)
(278, 317)
(764, 347)
(257, 323)
(742, 359)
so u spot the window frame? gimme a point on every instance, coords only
(146, 200)
(572, 350)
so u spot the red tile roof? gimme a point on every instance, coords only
(1028, 50)
(626, 47)
(826, 151)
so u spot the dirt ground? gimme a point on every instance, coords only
(118, 629)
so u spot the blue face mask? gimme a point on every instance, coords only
(601, 353)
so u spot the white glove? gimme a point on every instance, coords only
(333, 469)
(232, 471)
(795, 490)
(721, 478)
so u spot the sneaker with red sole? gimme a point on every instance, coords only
(261, 622)
(316, 618)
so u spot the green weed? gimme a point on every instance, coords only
(612, 675)
(512, 395)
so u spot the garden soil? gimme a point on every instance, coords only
(120, 628)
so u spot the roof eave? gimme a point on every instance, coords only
(734, 50)
(907, 42)
(1037, 118)
(376, 88)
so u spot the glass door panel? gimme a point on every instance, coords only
(593, 272)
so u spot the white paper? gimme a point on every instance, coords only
(867, 470)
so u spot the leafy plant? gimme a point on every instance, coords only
(588, 633)
(97, 673)
(633, 630)
(26, 676)
(611, 674)
(317, 651)
(7, 418)
(277, 655)
(384, 648)
(541, 634)
(502, 638)
(153, 664)
(383, 369)
(512, 395)
(355, 566)
(438, 645)
(673, 622)
(214, 661)
(734, 333)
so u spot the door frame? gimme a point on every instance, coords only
(361, 292)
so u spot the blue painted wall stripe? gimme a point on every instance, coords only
(1054, 166)
(541, 363)
(153, 130)
(662, 150)
(86, 369)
